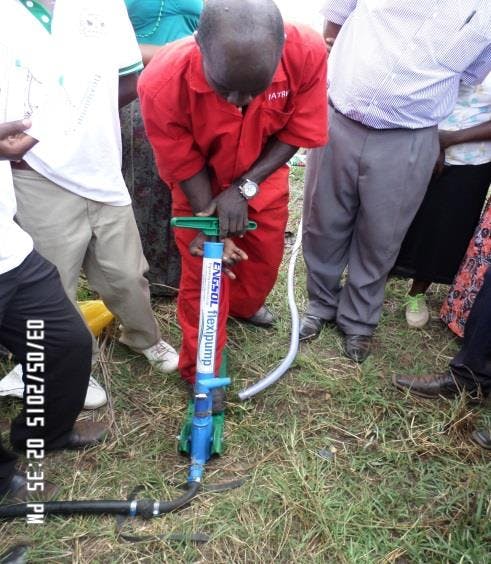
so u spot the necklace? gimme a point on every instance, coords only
(157, 23)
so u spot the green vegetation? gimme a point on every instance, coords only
(342, 467)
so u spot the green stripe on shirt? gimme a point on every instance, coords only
(39, 12)
(135, 67)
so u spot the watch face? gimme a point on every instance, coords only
(249, 189)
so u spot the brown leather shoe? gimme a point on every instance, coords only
(430, 386)
(357, 347)
(17, 491)
(482, 438)
(86, 434)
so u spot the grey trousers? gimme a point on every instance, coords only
(74, 233)
(362, 191)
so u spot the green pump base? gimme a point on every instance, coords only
(184, 439)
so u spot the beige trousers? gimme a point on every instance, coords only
(75, 233)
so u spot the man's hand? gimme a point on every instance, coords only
(476, 133)
(127, 89)
(330, 33)
(440, 164)
(14, 143)
(231, 253)
(231, 209)
(447, 139)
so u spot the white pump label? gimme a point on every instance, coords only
(208, 320)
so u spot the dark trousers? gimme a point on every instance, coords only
(33, 291)
(437, 239)
(472, 364)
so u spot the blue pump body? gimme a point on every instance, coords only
(202, 423)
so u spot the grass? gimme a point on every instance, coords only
(341, 467)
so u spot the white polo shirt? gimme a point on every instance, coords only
(15, 244)
(65, 77)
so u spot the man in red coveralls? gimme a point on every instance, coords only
(224, 112)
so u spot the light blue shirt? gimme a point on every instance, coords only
(398, 63)
(159, 22)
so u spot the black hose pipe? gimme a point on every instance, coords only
(145, 508)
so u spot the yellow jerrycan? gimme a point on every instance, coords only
(96, 315)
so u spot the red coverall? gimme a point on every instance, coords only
(190, 127)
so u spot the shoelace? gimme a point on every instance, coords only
(161, 349)
(93, 383)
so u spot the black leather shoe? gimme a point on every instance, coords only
(17, 491)
(310, 327)
(357, 347)
(434, 385)
(86, 434)
(482, 438)
(262, 318)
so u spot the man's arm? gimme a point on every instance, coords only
(331, 31)
(481, 132)
(148, 51)
(230, 205)
(335, 13)
(127, 88)
(198, 191)
(14, 143)
(275, 155)
(126, 52)
(476, 133)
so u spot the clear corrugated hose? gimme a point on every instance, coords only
(273, 376)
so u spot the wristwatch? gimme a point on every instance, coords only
(248, 189)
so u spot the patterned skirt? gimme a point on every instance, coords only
(470, 276)
(151, 203)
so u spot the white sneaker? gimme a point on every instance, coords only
(12, 385)
(162, 356)
(417, 314)
(96, 395)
